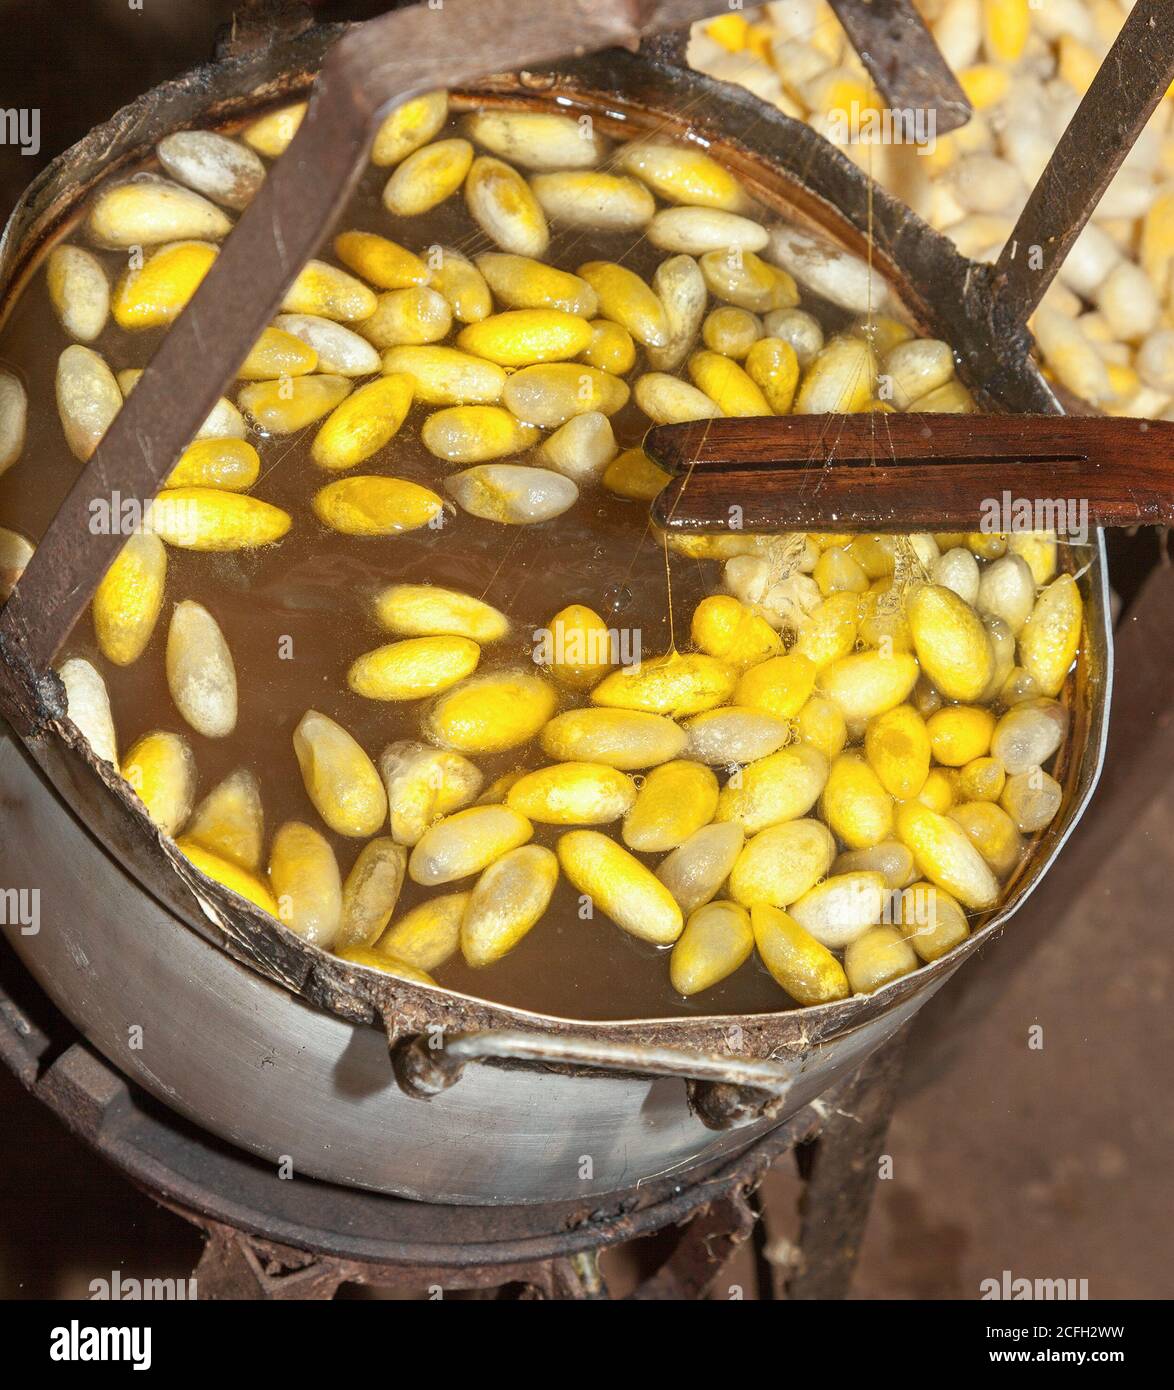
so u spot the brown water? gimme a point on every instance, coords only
(316, 589)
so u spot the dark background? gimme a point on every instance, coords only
(1051, 1163)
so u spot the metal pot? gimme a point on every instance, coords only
(236, 1023)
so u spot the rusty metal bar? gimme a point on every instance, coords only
(903, 59)
(372, 68)
(1136, 72)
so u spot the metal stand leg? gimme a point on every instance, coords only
(839, 1168)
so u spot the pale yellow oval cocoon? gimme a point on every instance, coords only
(626, 739)
(682, 175)
(290, 404)
(303, 874)
(429, 610)
(413, 669)
(521, 282)
(87, 702)
(945, 855)
(412, 317)
(466, 842)
(277, 353)
(230, 821)
(877, 958)
(521, 337)
(88, 399)
(501, 203)
(428, 934)
(733, 734)
(161, 769)
(841, 908)
(507, 900)
(446, 376)
(992, 832)
(200, 671)
(855, 804)
(620, 887)
(550, 394)
(205, 518)
(147, 210)
(364, 423)
(673, 685)
(339, 777)
(594, 199)
(408, 127)
(79, 291)
(695, 871)
(676, 800)
(950, 641)
(491, 713)
(231, 464)
(628, 301)
(427, 177)
(375, 506)
(462, 284)
(371, 891)
(782, 863)
(839, 381)
(127, 601)
(573, 794)
(537, 139)
(717, 940)
(799, 964)
(330, 293)
(1051, 636)
(781, 787)
(475, 433)
(423, 784)
(868, 683)
(229, 874)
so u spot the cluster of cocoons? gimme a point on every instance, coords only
(845, 757)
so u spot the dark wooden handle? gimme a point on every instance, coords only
(914, 472)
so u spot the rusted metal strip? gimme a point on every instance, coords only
(1136, 72)
(903, 60)
(912, 472)
(372, 68)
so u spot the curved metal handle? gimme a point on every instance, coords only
(724, 1091)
